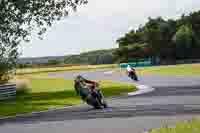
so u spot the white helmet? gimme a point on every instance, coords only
(129, 68)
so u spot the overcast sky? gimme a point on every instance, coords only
(100, 23)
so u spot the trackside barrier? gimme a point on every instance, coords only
(136, 64)
(7, 91)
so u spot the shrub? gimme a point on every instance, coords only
(4, 72)
(22, 85)
(8, 56)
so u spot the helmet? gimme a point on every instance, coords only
(79, 78)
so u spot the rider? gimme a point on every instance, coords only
(131, 71)
(85, 87)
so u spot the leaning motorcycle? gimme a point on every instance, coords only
(96, 98)
(133, 75)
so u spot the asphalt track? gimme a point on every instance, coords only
(175, 98)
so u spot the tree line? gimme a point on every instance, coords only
(92, 57)
(162, 40)
(104, 56)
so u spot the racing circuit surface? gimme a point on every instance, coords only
(175, 98)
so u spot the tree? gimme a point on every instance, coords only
(132, 52)
(8, 56)
(154, 37)
(132, 37)
(183, 40)
(121, 54)
(194, 19)
(53, 62)
(91, 57)
(19, 18)
(158, 34)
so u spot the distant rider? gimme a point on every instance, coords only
(131, 71)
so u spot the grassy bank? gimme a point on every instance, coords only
(189, 69)
(187, 127)
(44, 94)
(186, 69)
(60, 69)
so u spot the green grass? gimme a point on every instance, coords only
(184, 127)
(189, 69)
(60, 69)
(45, 94)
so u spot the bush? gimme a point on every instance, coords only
(54, 62)
(23, 86)
(8, 58)
(4, 72)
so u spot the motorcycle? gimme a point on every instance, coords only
(133, 75)
(96, 98)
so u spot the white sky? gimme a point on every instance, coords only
(100, 23)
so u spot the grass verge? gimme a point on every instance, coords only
(60, 69)
(188, 69)
(184, 127)
(45, 94)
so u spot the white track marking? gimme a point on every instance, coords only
(141, 90)
(108, 72)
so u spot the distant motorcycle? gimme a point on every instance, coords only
(132, 74)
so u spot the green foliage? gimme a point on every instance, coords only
(20, 66)
(93, 57)
(18, 18)
(192, 126)
(188, 69)
(131, 52)
(158, 33)
(164, 39)
(184, 35)
(120, 54)
(131, 38)
(7, 63)
(183, 40)
(53, 62)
